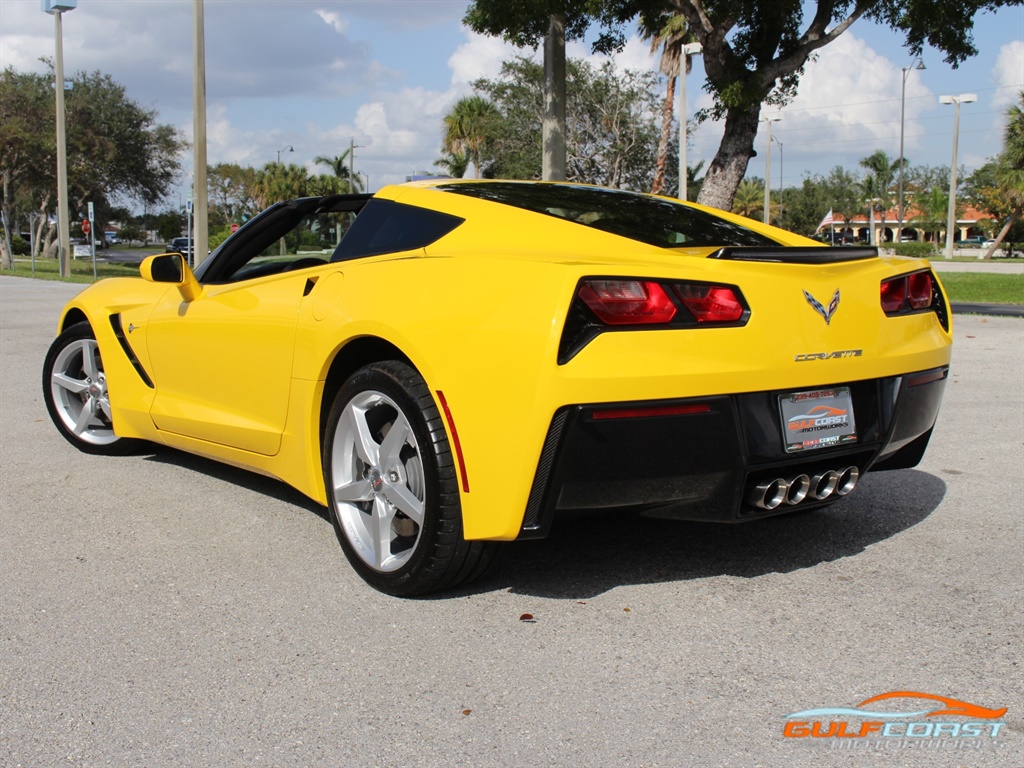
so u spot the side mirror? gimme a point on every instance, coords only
(171, 268)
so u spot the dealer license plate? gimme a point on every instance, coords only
(818, 418)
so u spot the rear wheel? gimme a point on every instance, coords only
(392, 486)
(75, 391)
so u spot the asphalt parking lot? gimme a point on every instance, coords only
(160, 610)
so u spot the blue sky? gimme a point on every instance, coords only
(317, 74)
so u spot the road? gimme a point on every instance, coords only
(162, 610)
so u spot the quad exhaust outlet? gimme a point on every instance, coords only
(771, 494)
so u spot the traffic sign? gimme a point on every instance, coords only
(86, 226)
(234, 228)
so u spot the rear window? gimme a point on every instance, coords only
(643, 218)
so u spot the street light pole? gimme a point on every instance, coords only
(56, 8)
(689, 49)
(903, 105)
(963, 98)
(767, 217)
(199, 242)
(289, 148)
(781, 169)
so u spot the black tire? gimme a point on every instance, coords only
(75, 392)
(378, 488)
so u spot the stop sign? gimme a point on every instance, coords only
(234, 228)
(86, 226)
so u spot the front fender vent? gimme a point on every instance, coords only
(115, 323)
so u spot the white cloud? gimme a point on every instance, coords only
(480, 56)
(334, 20)
(1008, 74)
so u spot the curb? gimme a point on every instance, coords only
(1000, 310)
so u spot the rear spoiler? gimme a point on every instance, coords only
(795, 255)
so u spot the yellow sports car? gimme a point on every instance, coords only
(450, 364)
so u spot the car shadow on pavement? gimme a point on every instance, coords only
(585, 556)
(243, 478)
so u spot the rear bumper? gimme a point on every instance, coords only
(704, 458)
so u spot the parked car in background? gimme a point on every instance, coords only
(182, 245)
(974, 241)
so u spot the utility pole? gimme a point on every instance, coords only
(199, 192)
(352, 166)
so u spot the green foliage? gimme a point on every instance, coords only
(218, 236)
(610, 137)
(918, 250)
(754, 51)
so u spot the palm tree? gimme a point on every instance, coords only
(339, 167)
(1010, 169)
(749, 200)
(932, 207)
(454, 163)
(878, 183)
(669, 33)
(470, 127)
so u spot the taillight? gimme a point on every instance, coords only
(627, 302)
(919, 290)
(894, 293)
(710, 303)
(604, 304)
(907, 293)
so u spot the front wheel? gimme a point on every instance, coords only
(75, 391)
(392, 487)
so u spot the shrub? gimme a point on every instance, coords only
(915, 250)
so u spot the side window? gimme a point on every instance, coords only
(384, 226)
(310, 243)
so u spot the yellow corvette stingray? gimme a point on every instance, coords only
(451, 364)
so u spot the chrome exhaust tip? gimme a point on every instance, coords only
(824, 483)
(799, 487)
(770, 494)
(847, 481)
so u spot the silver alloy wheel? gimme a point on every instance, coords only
(377, 479)
(79, 388)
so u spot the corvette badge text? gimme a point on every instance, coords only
(920, 721)
(828, 355)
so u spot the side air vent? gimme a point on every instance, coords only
(115, 323)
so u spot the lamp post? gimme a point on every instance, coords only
(767, 218)
(963, 98)
(289, 148)
(903, 105)
(689, 49)
(200, 234)
(781, 168)
(56, 8)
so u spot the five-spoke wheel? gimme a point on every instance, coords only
(75, 391)
(392, 487)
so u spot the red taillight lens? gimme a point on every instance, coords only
(920, 290)
(907, 293)
(627, 302)
(710, 303)
(894, 293)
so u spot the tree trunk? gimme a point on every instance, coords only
(658, 185)
(554, 101)
(7, 257)
(1016, 214)
(727, 170)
